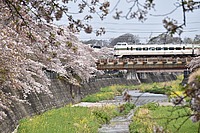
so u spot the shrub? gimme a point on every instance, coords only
(64, 120)
(151, 117)
(125, 108)
(151, 106)
(102, 116)
(138, 127)
(68, 120)
(106, 93)
(99, 97)
(158, 90)
(141, 123)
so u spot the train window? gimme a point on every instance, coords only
(189, 48)
(158, 48)
(171, 48)
(165, 48)
(145, 48)
(124, 44)
(183, 47)
(178, 48)
(152, 48)
(139, 49)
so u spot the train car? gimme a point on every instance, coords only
(123, 49)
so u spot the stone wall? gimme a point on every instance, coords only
(63, 93)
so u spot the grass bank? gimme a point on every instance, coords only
(87, 120)
(168, 88)
(171, 88)
(107, 93)
(72, 119)
(151, 118)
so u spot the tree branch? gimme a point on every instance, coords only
(184, 17)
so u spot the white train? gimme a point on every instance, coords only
(123, 49)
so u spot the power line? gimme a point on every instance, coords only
(125, 29)
(144, 32)
(113, 23)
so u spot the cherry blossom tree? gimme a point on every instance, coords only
(30, 44)
(28, 50)
(50, 10)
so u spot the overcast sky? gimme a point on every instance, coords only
(151, 27)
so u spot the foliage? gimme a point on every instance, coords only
(158, 90)
(165, 39)
(141, 125)
(104, 114)
(194, 65)
(55, 10)
(124, 109)
(197, 39)
(106, 93)
(188, 40)
(99, 97)
(167, 88)
(29, 46)
(151, 106)
(71, 119)
(31, 54)
(162, 118)
(68, 120)
(172, 89)
(193, 92)
(175, 94)
(179, 94)
(27, 65)
(175, 119)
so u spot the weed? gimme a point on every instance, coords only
(151, 117)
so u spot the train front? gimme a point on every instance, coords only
(119, 49)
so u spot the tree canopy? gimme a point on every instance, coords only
(49, 10)
(29, 45)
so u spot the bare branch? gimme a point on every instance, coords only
(183, 8)
(166, 13)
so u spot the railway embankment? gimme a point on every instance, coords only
(65, 93)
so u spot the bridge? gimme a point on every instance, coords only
(164, 64)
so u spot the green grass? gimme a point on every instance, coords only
(99, 97)
(107, 93)
(174, 85)
(176, 117)
(87, 120)
(171, 119)
(72, 119)
(172, 89)
(63, 120)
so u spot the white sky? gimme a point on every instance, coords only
(151, 27)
